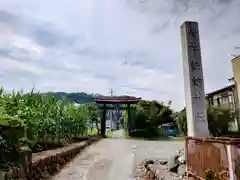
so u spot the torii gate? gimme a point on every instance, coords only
(103, 102)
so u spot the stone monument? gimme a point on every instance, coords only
(193, 81)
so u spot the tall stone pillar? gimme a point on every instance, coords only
(103, 121)
(193, 81)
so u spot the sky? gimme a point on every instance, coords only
(131, 46)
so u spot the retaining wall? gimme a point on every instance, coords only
(44, 164)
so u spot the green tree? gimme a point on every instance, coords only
(155, 112)
(181, 121)
(218, 120)
(94, 116)
(149, 115)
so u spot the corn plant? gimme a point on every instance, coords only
(44, 119)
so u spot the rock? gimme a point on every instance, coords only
(182, 170)
(156, 171)
(147, 163)
(173, 163)
(181, 152)
(162, 162)
(160, 171)
(182, 159)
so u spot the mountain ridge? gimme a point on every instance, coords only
(78, 97)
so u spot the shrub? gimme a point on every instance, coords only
(218, 120)
(147, 117)
(12, 139)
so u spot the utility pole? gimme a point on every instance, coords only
(111, 92)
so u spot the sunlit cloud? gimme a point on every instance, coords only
(132, 46)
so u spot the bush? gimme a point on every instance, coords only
(181, 121)
(218, 121)
(147, 117)
(12, 139)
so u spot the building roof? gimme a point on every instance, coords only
(226, 88)
(235, 58)
(117, 100)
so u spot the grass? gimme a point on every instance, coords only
(156, 138)
(109, 133)
(94, 132)
(178, 138)
(161, 137)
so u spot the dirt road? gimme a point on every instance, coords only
(115, 158)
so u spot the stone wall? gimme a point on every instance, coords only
(44, 164)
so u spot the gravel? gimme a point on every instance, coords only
(173, 169)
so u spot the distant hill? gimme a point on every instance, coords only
(78, 97)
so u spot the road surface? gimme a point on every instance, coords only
(114, 158)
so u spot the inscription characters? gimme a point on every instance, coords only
(195, 65)
(199, 117)
(197, 81)
(194, 45)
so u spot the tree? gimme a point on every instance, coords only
(218, 120)
(149, 115)
(156, 113)
(94, 116)
(181, 121)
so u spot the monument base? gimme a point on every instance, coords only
(213, 158)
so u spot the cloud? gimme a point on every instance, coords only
(132, 46)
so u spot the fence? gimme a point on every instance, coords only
(213, 158)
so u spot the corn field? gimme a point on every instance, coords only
(28, 118)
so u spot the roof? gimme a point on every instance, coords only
(237, 57)
(226, 88)
(117, 100)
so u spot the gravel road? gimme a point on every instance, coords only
(114, 158)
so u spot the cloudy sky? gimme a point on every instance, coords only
(132, 46)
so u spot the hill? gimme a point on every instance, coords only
(76, 97)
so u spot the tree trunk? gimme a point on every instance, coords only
(98, 129)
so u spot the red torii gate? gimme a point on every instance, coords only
(115, 100)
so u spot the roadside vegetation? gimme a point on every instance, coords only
(219, 120)
(149, 117)
(33, 122)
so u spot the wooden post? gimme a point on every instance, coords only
(193, 81)
(103, 121)
(129, 120)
